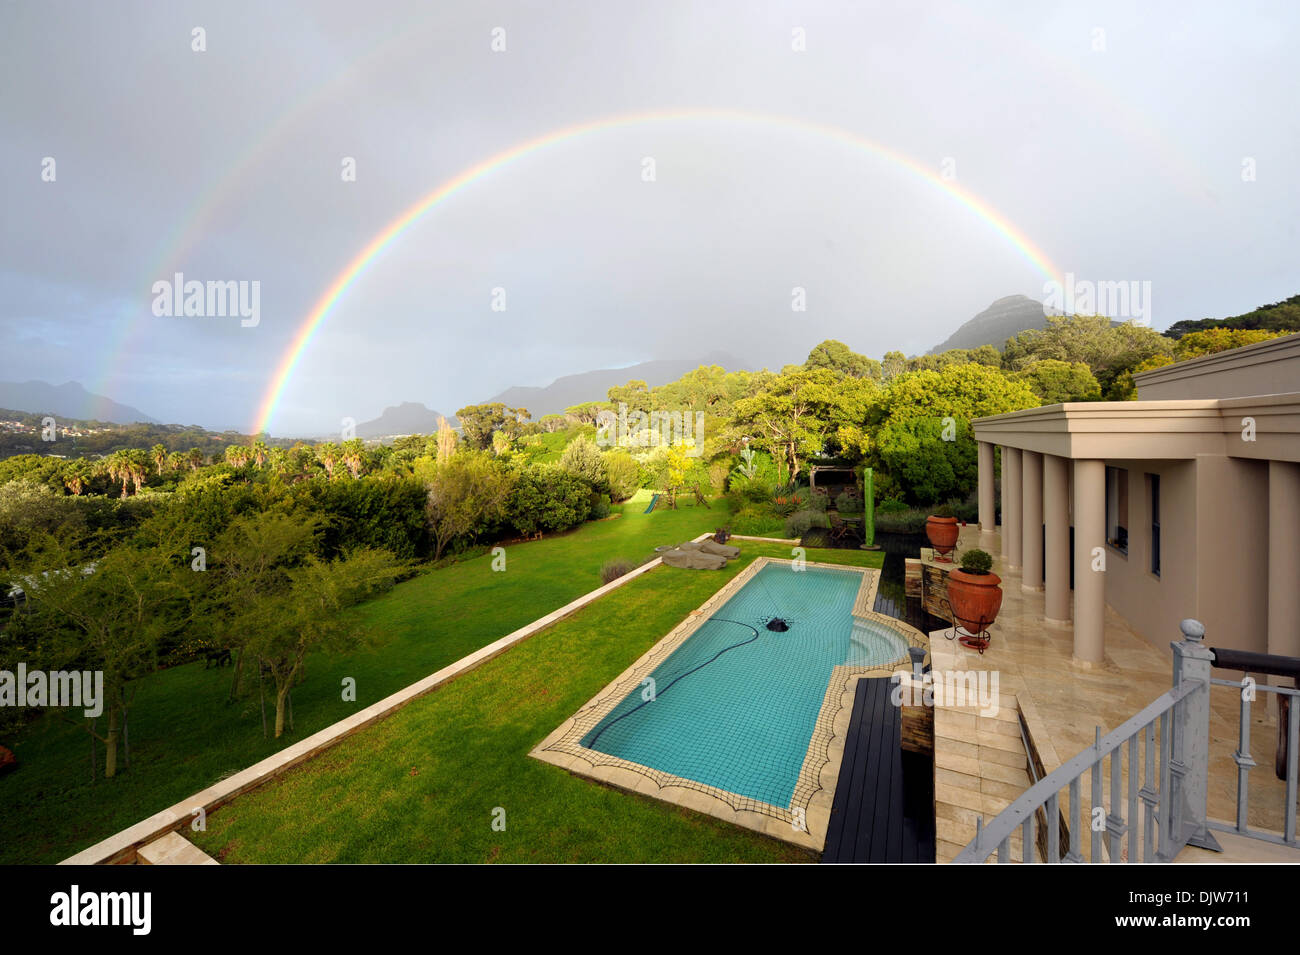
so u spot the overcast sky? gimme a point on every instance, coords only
(1113, 138)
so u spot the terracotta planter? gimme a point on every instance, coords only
(975, 599)
(942, 532)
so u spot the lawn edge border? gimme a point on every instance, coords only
(122, 847)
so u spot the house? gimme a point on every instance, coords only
(1183, 503)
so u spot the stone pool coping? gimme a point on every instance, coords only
(815, 788)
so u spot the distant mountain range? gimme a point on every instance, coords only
(68, 400)
(1005, 318)
(593, 385)
(410, 417)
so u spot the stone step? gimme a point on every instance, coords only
(173, 849)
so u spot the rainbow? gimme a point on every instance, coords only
(363, 259)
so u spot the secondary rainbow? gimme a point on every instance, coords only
(362, 261)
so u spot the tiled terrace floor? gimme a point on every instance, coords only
(1064, 703)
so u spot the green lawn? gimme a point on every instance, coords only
(184, 736)
(422, 785)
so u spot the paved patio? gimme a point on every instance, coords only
(1063, 703)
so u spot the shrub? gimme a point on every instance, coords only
(755, 522)
(623, 474)
(611, 570)
(548, 498)
(967, 511)
(976, 561)
(891, 506)
(599, 506)
(819, 502)
(745, 490)
(800, 522)
(847, 504)
(909, 521)
(786, 505)
(944, 510)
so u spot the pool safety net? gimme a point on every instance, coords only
(729, 706)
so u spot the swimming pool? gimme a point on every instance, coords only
(727, 707)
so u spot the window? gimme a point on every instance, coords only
(1155, 523)
(1117, 509)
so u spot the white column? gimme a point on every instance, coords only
(1012, 508)
(1056, 556)
(1089, 567)
(1031, 530)
(988, 511)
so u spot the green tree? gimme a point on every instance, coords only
(1059, 381)
(623, 474)
(792, 417)
(308, 616)
(635, 394)
(1211, 341)
(1281, 317)
(467, 492)
(1109, 350)
(108, 616)
(583, 458)
(920, 426)
(479, 422)
(586, 412)
(329, 454)
(250, 560)
(838, 357)
(893, 365)
(353, 456)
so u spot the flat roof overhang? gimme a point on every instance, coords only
(1154, 430)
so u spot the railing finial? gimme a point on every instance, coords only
(1192, 629)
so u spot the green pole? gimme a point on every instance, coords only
(868, 508)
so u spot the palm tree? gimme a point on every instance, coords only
(237, 455)
(76, 475)
(115, 467)
(328, 453)
(279, 459)
(259, 452)
(195, 459)
(352, 453)
(137, 468)
(159, 455)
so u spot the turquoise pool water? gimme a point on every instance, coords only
(735, 706)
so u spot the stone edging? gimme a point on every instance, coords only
(819, 773)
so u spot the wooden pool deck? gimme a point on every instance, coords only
(875, 816)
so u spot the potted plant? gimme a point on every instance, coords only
(942, 529)
(975, 596)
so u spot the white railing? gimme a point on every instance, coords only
(1173, 768)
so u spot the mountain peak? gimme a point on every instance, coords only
(68, 400)
(1005, 318)
(408, 417)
